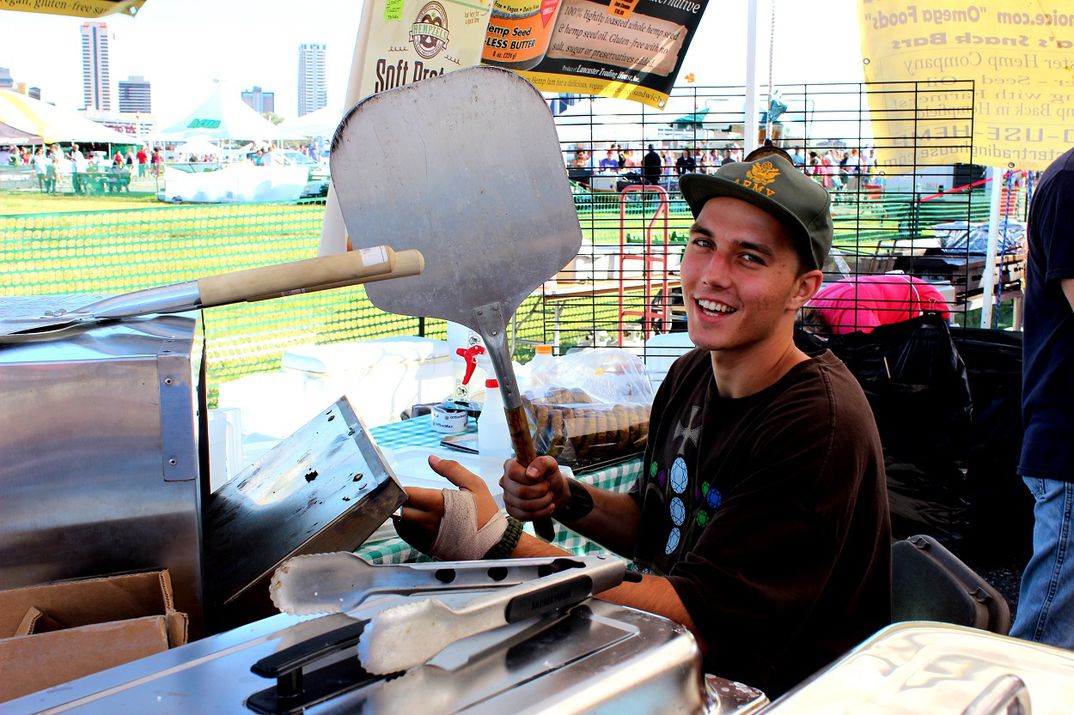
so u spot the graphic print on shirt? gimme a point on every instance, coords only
(680, 479)
(688, 501)
(712, 500)
(689, 433)
(684, 435)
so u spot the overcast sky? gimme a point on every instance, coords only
(182, 46)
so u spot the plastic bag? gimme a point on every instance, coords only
(589, 406)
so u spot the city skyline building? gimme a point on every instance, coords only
(312, 87)
(259, 100)
(135, 95)
(8, 82)
(96, 82)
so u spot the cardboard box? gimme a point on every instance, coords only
(56, 632)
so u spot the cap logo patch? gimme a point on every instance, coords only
(759, 177)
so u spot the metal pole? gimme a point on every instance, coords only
(751, 125)
(334, 230)
(988, 276)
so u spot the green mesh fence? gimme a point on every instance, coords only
(107, 252)
(116, 251)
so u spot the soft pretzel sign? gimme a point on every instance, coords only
(1019, 55)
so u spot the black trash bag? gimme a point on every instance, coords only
(1002, 508)
(947, 404)
(918, 388)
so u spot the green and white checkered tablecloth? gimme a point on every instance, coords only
(419, 433)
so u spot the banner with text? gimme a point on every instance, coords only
(76, 8)
(411, 40)
(1020, 56)
(631, 49)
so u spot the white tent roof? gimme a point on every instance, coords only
(223, 116)
(321, 123)
(198, 146)
(53, 124)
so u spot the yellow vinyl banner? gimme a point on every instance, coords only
(75, 8)
(1019, 55)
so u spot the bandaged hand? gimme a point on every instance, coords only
(450, 524)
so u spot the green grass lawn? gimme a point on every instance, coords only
(21, 203)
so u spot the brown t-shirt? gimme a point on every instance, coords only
(769, 515)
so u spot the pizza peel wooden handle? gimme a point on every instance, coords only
(298, 277)
(524, 454)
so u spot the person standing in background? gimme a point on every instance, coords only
(143, 161)
(41, 167)
(52, 164)
(1046, 600)
(685, 164)
(650, 166)
(610, 163)
(797, 157)
(79, 168)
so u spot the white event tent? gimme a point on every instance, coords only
(321, 123)
(198, 147)
(223, 115)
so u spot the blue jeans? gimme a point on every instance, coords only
(1046, 600)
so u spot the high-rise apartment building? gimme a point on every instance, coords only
(312, 92)
(6, 81)
(134, 95)
(260, 100)
(96, 84)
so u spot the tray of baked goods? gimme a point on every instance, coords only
(592, 408)
(576, 429)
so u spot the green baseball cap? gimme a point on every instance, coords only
(774, 185)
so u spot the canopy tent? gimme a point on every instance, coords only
(198, 147)
(11, 135)
(321, 123)
(52, 124)
(223, 116)
(693, 120)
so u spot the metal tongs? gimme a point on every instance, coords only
(455, 599)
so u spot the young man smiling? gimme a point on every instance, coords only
(761, 513)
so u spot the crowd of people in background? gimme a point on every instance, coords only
(86, 170)
(835, 168)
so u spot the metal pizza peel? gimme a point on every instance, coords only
(465, 167)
